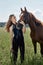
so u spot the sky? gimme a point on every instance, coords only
(8, 7)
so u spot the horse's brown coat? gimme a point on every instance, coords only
(36, 27)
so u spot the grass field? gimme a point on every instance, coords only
(30, 57)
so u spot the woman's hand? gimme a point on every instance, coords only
(24, 27)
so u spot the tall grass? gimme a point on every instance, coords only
(30, 57)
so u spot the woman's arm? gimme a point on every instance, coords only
(11, 33)
(24, 27)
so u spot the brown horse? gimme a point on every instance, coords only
(36, 28)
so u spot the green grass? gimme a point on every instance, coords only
(30, 57)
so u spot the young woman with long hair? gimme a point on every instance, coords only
(18, 28)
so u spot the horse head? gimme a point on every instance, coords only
(25, 16)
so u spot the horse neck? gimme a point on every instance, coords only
(32, 23)
(32, 26)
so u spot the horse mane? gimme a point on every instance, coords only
(37, 22)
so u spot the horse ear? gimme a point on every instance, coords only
(25, 8)
(21, 9)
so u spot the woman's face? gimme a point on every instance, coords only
(13, 19)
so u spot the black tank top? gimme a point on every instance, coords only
(17, 30)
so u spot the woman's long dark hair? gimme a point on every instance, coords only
(9, 23)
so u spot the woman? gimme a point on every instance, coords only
(18, 28)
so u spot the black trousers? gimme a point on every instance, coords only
(18, 43)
